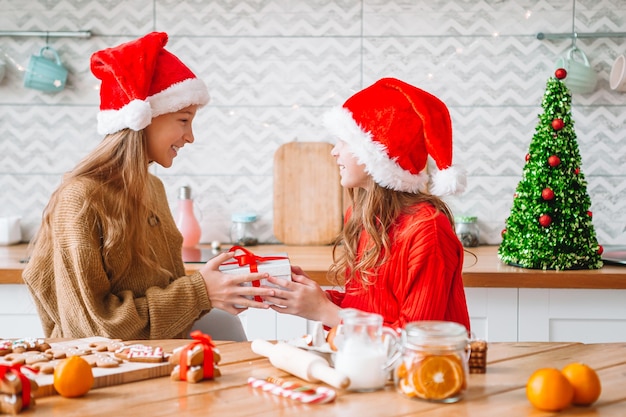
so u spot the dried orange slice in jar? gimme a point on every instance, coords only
(438, 377)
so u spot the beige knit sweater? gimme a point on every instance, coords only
(75, 296)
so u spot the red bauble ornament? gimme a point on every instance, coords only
(502, 232)
(577, 171)
(547, 194)
(590, 214)
(545, 220)
(560, 73)
(554, 161)
(558, 124)
(527, 158)
(600, 250)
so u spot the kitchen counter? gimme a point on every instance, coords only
(482, 269)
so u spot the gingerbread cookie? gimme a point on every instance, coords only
(141, 353)
(6, 346)
(23, 345)
(29, 357)
(107, 345)
(196, 361)
(103, 360)
(62, 352)
(17, 389)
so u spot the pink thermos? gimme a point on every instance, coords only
(186, 220)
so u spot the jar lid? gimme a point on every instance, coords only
(433, 332)
(465, 219)
(246, 217)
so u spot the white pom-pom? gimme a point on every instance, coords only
(137, 114)
(451, 180)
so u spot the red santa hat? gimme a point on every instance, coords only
(141, 80)
(392, 128)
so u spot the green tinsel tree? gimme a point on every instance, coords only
(550, 225)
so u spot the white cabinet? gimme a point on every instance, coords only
(270, 325)
(493, 313)
(547, 315)
(18, 314)
(572, 315)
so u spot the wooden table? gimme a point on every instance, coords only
(501, 391)
(482, 269)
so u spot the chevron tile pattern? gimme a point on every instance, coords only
(274, 67)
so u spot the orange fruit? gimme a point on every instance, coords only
(549, 390)
(586, 383)
(73, 377)
(438, 377)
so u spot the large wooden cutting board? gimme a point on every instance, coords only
(104, 377)
(307, 194)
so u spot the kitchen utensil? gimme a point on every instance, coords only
(45, 74)
(307, 194)
(303, 364)
(581, 78)
(617, 78)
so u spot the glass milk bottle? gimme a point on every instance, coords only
(366, 350)
(186, 219)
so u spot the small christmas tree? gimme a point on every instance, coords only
(550, 225)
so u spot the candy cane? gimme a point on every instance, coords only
(293, 390)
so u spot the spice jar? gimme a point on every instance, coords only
(434, 364)
(466, 228)
(242, 231)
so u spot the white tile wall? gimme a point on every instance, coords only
(274, 66)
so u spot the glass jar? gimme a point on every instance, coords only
(434, 364)
(242, 231)
(466, 228)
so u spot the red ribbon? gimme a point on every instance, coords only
(251, 260)
(207, 346)
(17, 370)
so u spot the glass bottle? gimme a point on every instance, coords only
(186, 220)
(430, 350)
(242, 231)
(466, 228)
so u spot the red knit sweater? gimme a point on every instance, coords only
(421, 281)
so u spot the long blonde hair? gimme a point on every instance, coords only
(118, 163)
(374, 211)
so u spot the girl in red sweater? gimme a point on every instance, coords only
(398, 254)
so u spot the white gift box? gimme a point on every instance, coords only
(277, 265)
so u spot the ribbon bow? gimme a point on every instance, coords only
(252, 261)
(207, 346)
(17, 370)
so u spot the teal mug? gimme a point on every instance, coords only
(45, 74)
(581, 78)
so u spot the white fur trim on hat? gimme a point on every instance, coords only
(135, 115)
(178, 96)
(138, 114)
(385, 171)
(449, 181)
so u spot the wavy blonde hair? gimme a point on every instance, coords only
(374, 211)
(119, 162)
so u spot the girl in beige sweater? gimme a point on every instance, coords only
(107, 258)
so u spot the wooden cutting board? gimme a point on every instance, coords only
(104, 377)
(307, 194)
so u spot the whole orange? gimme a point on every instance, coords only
(549, 390)
(586, 383)
(73, 377)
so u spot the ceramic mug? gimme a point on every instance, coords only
(581, 78)
(45, 74)
(617, 78)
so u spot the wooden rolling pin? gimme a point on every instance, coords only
(298, 362)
